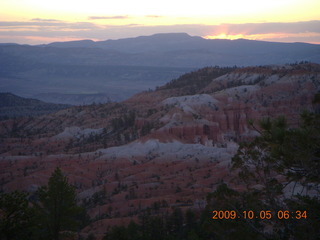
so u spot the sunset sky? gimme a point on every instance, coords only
(39, 21)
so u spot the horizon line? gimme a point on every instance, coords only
(160, 33)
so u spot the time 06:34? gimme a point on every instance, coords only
(282, 214)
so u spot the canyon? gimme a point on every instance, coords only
(158, 149)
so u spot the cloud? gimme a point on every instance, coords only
(308, 31)
(154, 16)
(41, 31)
(30, 23)
(45, 20)
(107, 17)
(49, 25)
(264, 28)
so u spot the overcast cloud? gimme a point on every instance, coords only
(107, 17)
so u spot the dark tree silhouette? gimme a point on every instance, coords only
(58, 205)
(15, 216)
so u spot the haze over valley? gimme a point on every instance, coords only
(83, 72)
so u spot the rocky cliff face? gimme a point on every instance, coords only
(160, 146)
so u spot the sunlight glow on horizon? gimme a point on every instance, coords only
(264, 37)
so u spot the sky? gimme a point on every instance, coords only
(39, 21)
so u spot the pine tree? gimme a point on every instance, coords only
(58, 205)
(15, 216)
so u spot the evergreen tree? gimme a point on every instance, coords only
(58, 206)
(15, 216)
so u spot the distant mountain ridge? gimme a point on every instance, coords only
(15, 106)
(181, 41)
(10, 100)
(121, 68)
(131, 51)
(153, 43)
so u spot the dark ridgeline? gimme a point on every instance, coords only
(12, 106)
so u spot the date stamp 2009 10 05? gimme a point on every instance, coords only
(264, 214)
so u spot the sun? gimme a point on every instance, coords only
(226, 36)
